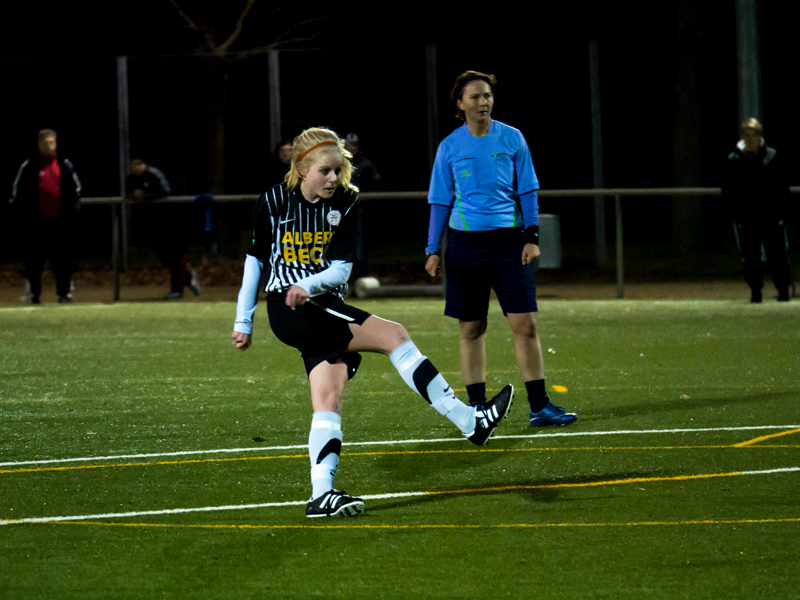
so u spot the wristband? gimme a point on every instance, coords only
(532, 235)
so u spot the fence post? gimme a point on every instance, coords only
(620, 270)
(123, 133)
(115, 247)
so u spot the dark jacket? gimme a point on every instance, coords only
(755, 188)
(152, 183)
(25, 191)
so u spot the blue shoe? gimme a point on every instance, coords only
(552, 415)
(173, 296)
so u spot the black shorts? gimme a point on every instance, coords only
(477, 262)
(319, 335)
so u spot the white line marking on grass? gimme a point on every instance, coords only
(174, 511)
(152, 455)
(71, 307)
(646, 431)
(385, 443)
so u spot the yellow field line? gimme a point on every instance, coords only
(406, 453)
(764, 437)
(441, 526)
(410, 452)
(551, 486)
(473, 491)
(147, 464)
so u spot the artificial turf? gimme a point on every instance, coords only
(679, 479)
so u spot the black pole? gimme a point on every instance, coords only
(601, 254)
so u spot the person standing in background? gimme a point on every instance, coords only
(171, 226)
(755, 190)
(46, 199)
(483, 192)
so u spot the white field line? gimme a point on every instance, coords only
(174, 511)
(71, 307)
(385, 443)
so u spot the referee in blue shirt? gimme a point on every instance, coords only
(483, 190)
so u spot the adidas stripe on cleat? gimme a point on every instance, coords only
(489, 414)
(334, 503)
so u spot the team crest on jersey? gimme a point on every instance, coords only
(334, 217)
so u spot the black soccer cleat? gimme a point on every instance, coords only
(334, 503)
(489, 414)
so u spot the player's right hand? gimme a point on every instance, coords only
(242, 340)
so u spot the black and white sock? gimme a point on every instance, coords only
(422, 377)
(324, 448)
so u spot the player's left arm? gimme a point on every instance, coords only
(334, 276)
(528, 186)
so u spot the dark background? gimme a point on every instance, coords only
(668, 75)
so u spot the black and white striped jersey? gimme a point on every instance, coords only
(298, 238)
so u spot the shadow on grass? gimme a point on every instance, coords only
(688, 405)
(539, 491)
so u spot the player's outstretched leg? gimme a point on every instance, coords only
(379, 335)
(477, 423)
(421, 376)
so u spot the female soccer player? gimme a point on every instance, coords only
(484, 186)
(305, 230)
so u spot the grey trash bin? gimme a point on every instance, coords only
(549, 242)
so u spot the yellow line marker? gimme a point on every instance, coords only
(405, 453)
(158, 463)
(474, 491)
(560, 389)
(442, 526)
(764, 437)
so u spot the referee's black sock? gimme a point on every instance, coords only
(537, 397)
(476, 393)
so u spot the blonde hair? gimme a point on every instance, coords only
(306, 148)
(753, 124)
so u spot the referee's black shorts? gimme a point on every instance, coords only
(319, 335)
(477, 262)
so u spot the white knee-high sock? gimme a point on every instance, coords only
(422, 377)
(324, 447)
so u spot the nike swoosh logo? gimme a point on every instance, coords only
(286, 221)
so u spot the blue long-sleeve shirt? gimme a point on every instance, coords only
(485, 182)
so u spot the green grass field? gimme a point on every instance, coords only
(142, 456)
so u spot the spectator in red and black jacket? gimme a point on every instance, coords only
(46, 199)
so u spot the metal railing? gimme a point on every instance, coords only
(616, 193)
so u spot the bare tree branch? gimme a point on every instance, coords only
(223, 47)
(283, 38)
(191, 25)
(223, 50)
